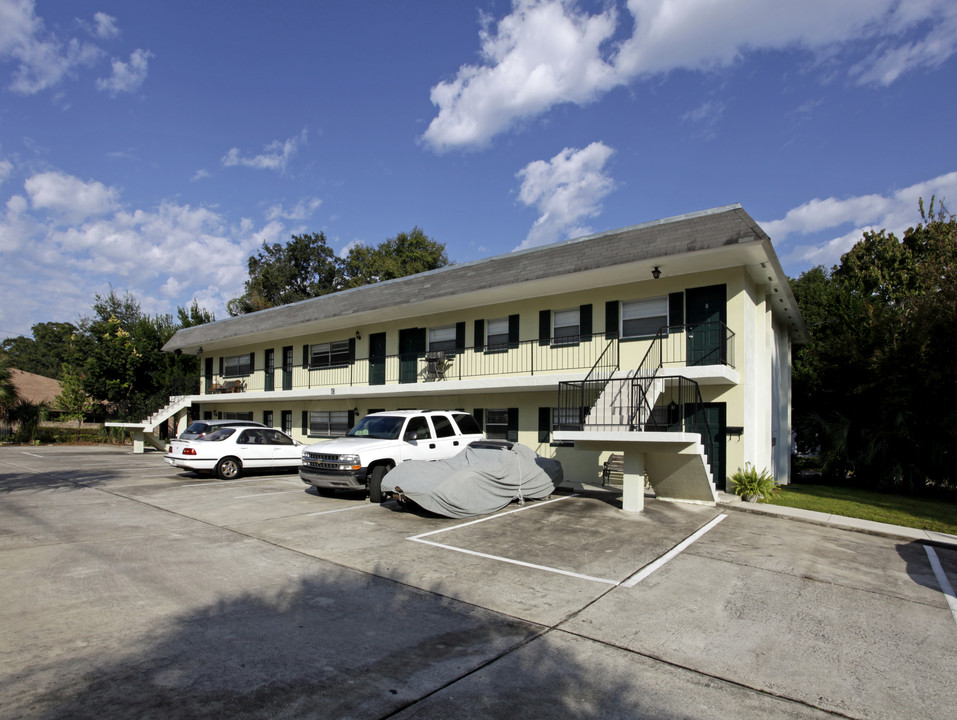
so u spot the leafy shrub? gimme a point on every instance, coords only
(749, 483)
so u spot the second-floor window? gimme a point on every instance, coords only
(442, 338)
(567, 326)
(497, 334)
(644, 318)
(330, 354)
(237, 365)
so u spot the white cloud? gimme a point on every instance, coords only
(105, 26)
(851, 217)
(127, 77)
(69, 197)
(66, 239)
(42, 59)
(302, 210)
(565, 190)
(276, 155)
(548, 52)
(6, 170)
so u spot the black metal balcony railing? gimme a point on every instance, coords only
(705, 344)
(663, 403)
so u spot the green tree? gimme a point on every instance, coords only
(8, 391)
(118, 352)
(73, 400)
(873, 388)
(45, 352)
(303, 268)
(306, 267)
(405, 254)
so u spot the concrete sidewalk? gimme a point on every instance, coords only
(870, 527)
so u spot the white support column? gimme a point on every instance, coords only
(138, 442)
(633, 482)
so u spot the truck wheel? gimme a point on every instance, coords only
(229, 468)
(375, 482)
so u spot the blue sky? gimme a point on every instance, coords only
(153, 147)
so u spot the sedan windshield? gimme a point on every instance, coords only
(383, 427)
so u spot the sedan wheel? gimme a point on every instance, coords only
(229, 468)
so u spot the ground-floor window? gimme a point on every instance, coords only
(237, 416)
(267, 418)
(499, 423)
(287, 422)
(328, 423)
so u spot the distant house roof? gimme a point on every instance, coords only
(35, 388)
(698, 234)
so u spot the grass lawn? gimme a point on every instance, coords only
(921, 513)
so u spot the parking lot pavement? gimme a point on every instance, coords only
(135, 590)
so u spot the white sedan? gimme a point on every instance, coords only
(229, 450)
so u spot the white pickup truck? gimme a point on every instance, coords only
(379, 442)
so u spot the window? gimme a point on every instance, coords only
(496, 424)
(267, 418)
(644, 318)
(330, 354)
(566, 328)
(442, 338)
(443, 426)
(287, 422)
(238, 365)
(467, 424)
(237, 416)
(497, 334)
(418, 428)
(328, 423)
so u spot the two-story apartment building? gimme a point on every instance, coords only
(668, 342)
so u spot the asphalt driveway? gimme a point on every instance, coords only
(133, 590)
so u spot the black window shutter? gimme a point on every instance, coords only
(352, 352)
(513, 424)
(222, 365)
(479, 415)
(252, 361)
(544, 424)
(352, 418)
(584, 322)
(676, 311)
(305, 422)
(612, 309)
(479, 336)
(544, 327)
(459, 336)
(305, 356)
(513, 330)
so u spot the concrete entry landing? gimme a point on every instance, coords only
(674, 464)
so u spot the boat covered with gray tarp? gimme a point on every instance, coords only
(485, 477)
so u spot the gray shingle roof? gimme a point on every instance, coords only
(705, 230)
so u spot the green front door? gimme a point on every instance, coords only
(706, 315)
(411, 347)
(377, 359)
(710, 421)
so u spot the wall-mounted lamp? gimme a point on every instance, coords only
(355, 412)
(656, 273)
(358, 335)
(200, 351)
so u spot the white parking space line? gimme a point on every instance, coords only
(279, 492)
(490, 517)
(671, 554)
(942, 580)
(220, 483)
(499, 558)
(606, 581)
(345, 509)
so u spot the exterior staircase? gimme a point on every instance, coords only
(144, 433)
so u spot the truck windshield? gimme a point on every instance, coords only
(383, 427)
